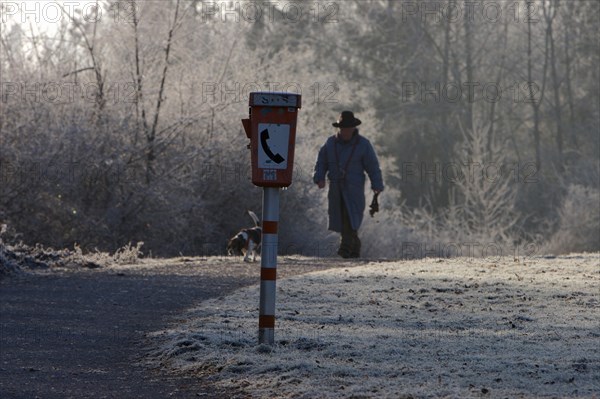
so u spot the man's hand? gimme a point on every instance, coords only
(321, 184)
(374, 204)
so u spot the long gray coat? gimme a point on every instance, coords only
(351, 188)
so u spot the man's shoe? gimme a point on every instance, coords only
(344, 254)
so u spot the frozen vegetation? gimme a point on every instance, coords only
(504, 327)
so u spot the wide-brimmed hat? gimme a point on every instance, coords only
(347, 119)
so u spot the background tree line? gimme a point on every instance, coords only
(122, 122)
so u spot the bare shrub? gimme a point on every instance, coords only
(8, 263)
(578, 226)
(481, 214)
(17, 257)
(485, 210)
(129, 254)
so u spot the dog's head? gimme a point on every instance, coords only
(236, 245)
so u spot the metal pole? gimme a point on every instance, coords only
(268, 263)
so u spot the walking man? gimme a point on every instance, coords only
(344, 159)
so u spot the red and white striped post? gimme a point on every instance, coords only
(271, 128)
(268, 266)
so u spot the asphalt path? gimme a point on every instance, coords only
(79, 333)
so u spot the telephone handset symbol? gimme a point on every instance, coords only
(264, 136)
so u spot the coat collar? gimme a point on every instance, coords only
(338, 139)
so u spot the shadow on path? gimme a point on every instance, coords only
(77, 334)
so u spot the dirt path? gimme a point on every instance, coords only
(78, 333)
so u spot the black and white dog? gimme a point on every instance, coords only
(247, 241)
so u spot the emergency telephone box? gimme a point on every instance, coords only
(271, 129)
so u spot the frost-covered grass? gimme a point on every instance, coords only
(430, 328)
(19, 258)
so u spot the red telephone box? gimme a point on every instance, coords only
(271, 129)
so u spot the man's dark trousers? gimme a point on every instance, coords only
(350, 245)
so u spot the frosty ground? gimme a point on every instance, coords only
(498, 328)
